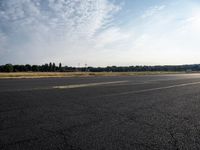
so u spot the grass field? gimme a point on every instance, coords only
(76, 74)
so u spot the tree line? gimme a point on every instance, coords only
(52, 67)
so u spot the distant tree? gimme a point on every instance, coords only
(50, 66)
(1, 68)
(54, 67)
(35, 68)
(45, 68)
(8, 68)
(60, 67)
(28, 67)
(16, 68)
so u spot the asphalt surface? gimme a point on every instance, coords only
(101, 113)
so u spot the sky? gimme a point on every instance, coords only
(100, 32)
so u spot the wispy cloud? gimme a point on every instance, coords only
(56, 26)
(100, 32)
(191, 24)
(153, 11)
(111, 36)
(168, 36)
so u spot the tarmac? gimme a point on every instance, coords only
(101, 113)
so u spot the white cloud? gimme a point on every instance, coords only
(53, 28)
(76, 31)
(167, 37)
(163, 34)
(111, 36)
(66, 17)
(153, 11)
(191, 24)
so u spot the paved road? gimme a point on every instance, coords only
(101, 113)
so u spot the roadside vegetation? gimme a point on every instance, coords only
(53, 70)
(52, 67)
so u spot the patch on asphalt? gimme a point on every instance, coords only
(87, 85)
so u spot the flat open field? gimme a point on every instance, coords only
(101, 113)
(77, 74)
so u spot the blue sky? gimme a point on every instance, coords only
(100, 32)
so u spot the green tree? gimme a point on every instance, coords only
(27, 67)
(54, 67)
(35, 68)
(8, 68)
(60, 67)
(50, 66)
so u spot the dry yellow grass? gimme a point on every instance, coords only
(76, 74)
